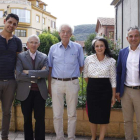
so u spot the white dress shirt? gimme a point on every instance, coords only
(132, 67)
(106, 68)
(32, 55)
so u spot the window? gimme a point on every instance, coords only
(53, 24)
(37, 18)
(37, 3)
(20, 33)
(44, 7)
(111, 35)
(37, 33)
(1, 14)
(24, 15)
(43, 20)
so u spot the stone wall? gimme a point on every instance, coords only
(115, 128)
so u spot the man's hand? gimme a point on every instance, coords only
(43, 68)
(26, 71)
(118, 97)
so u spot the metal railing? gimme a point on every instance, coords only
(23, 2)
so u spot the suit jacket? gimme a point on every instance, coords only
(121, 70)
(38, 76)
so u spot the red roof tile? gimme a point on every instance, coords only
(106, 21)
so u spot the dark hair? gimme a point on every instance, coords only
(107, 50)
(12, 16)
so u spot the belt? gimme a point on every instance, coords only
(133, 87)
(4, 80)
(65, 79)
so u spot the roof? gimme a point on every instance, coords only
(106, 21)
(114, 2)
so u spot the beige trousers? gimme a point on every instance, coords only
(59, 89)
(130, 104)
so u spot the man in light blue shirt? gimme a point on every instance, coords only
(66, 61)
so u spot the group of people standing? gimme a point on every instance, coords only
(62, 67)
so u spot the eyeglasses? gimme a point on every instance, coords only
(32, 43)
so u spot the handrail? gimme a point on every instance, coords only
(24, 2)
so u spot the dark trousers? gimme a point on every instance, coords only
(7, 91)
(37, 103)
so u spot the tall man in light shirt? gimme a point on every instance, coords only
(128, 82)
(66, 61)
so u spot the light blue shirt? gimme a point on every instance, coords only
(65, 63)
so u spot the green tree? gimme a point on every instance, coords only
(46, 41)
(72, 38)
(56, 34)
(88, 44)
(114, 48)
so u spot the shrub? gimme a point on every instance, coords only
(46, 41)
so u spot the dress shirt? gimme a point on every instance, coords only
(65, 62)
(32, 55)
(106, 68)
(132, 67)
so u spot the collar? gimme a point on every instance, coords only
(98, 59)
(138, 48)
(69, 44)
(33, 55)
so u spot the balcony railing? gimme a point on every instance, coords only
(23, 2)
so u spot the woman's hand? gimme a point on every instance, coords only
(113, 100)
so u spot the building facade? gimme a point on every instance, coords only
(33, 17)
(105, 27)
(127, 14)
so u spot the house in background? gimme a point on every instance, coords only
(33, 17)
(105, 27)
(127, 14)
(82, 43)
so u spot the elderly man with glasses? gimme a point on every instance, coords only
(32, 69)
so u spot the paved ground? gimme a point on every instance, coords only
(20, 136)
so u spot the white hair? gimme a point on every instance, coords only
(60, 28)
(33, 35)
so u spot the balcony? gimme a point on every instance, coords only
(23, 2)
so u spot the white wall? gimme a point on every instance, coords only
(130, 18)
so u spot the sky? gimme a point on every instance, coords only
(77, 12)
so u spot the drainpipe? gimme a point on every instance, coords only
(106, 31)
(138, 14)
(116, 22)
(122, 23)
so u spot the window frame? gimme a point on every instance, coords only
(21, 22)
(111, 35)
(37, 3)
(44, 7)
(2, 10)
(53, 24)
(43, 21)
(21, 29)
(38, 18)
